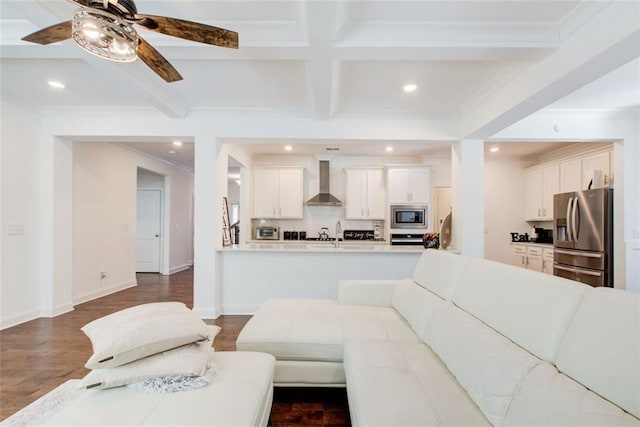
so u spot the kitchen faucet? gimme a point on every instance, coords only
(338, 232)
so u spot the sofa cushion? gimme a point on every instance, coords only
(240, 395)
(404, 384)
(416, 305)
(375, 324)
(601, 347)
(531, 308)
(315, 329)
(486, 364)
(295, 329)
(439, 271)
(548, 397)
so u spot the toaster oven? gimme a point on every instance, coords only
(264, 232)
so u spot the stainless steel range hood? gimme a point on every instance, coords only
(324, 198)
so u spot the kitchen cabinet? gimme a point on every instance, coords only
(571, 176)
(601, 162)
(541, 184)
(532, 257)
(547, 260)
(365, 195)
(408, 185)
(519, 255)
(278, 193)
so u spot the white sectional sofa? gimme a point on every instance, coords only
(465, 342)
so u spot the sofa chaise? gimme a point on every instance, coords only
(466, 341)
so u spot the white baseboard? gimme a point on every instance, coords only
(16, 319)
(88, 296)
(177, 269)
(240, 309)
(27, 315)
(58, 310)
(206, 313)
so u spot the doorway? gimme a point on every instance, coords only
(148, 226)
(149, 221)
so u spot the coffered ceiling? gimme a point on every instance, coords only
(322, 59)
(325, 60)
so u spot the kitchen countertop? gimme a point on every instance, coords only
(543, 245)
(323, 247)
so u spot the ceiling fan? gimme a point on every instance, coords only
(105, 28)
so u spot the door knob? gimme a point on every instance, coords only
(157, 235)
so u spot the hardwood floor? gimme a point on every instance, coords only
(37, 356)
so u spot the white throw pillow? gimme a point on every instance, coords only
(190, 360)
(141, 331)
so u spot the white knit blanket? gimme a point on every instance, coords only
(45, 407)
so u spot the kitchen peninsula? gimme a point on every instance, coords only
(254, 272)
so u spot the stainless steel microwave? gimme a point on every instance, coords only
(408, 217)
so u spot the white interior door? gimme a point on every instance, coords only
(148, 231)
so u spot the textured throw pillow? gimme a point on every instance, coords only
(191, 360)
(141, 331)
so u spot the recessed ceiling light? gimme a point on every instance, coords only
(177, 143)
(56, 84)
(389, 149)
(172, 151)
(410, 87)
(288, 148)
(494, 149)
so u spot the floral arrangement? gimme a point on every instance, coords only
(431, 240)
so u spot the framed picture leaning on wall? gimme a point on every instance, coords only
(226, 227)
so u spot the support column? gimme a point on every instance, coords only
(467, 178)
(205, 284)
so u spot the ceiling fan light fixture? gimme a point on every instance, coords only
(105, 35)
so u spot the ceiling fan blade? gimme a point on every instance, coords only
(157, 62)
(52, 34)
(190, 30)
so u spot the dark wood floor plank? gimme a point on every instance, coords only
(37, 356)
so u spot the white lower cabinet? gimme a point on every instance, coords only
(532, 257)
(519, 255)
(547, 260)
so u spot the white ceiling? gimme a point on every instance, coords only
(321, 59)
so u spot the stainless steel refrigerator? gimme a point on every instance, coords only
(583, 236)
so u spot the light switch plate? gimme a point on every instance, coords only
(15, 229)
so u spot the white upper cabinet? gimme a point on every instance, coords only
(596, 162)
(541, 185)
(571, 176)
(408, 185)
(365, 194)
(278, 193)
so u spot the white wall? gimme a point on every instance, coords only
(20, 206)
(504, 198)
(104, 225)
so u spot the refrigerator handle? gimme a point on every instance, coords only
(574, 218)
(569, 233)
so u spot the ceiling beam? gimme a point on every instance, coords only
(322, 69)
(594, 50)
